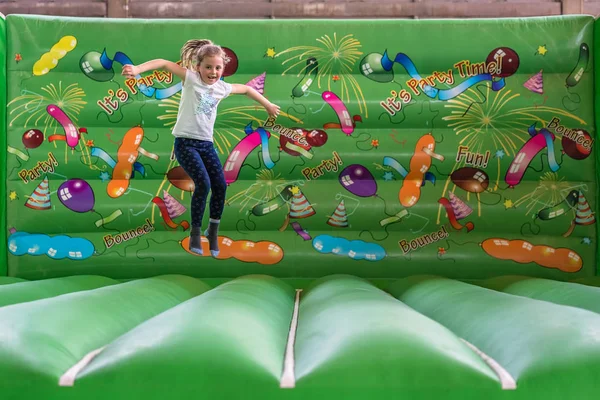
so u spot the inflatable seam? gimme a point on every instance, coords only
(506, 379)
(288, 377)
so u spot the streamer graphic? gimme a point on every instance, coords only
(379, 68)
(99, 67)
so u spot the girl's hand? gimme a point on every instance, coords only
(130, 71)
(272, 110)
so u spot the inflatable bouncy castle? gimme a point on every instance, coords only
(419, 221)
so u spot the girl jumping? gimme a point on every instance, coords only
(202, 64)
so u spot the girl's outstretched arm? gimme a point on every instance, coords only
(272, 109)
(131, 71)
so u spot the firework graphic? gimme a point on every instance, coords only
(337, 60)
(32, 106)
(551, 190)
(487, 120)
(266, 187)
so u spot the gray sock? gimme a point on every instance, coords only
(195, 243)
(212, 234)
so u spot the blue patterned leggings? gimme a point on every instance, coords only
(200, 160)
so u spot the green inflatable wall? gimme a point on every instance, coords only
(456, 148)
(3, 254)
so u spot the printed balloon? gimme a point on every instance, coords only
(370, 67)
(575, 148)
(470, 179)
(232, 66)
(358, 180)
(180, 179)
(91, 66)
(33, 138)
(509, 61)
(296, 146)
(77, 195)
(316, 138)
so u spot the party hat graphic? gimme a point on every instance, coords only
(258, 83)
(535, 83)
(174, 208)
(40, 198)
(300, 207)
(339, 218)
(460, 208)
(584, 214)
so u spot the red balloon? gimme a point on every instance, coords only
(232, 66)
(33, 138)
(316, 138)
(287, 144)
(180, 179)
(470, 179)
(510, 61)
(575, 148)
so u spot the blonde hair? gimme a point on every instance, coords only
(194, 51)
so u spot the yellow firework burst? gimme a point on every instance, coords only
(337, 59)
(230, 123)
(488, 121)
(32, 106)
(264, 189)
(492, 123)
(550, 191)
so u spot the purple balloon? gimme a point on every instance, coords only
(358, 180)
(76, 195)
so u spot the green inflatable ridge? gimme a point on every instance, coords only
(42, 339)
(6, 280)
(591, 281)
(226, 343)
(36, 290)
(529, 338)
(566, 293)
(350, 331)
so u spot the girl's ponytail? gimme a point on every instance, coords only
(189, 52)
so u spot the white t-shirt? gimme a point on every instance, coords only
(198, 107)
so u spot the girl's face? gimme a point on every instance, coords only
(210, 69)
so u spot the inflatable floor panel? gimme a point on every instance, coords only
(258, 337)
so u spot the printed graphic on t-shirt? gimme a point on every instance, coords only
(206, 104)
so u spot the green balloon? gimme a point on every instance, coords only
(92, 67)
(370, 66)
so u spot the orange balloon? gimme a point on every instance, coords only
(264, 252)
(524, 252)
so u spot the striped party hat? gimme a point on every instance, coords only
(460, 208)
(174, 208)
(535, 83)
(584, 214)
(339, 218)
(258, 83)
(40, 198)
(300, 207)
